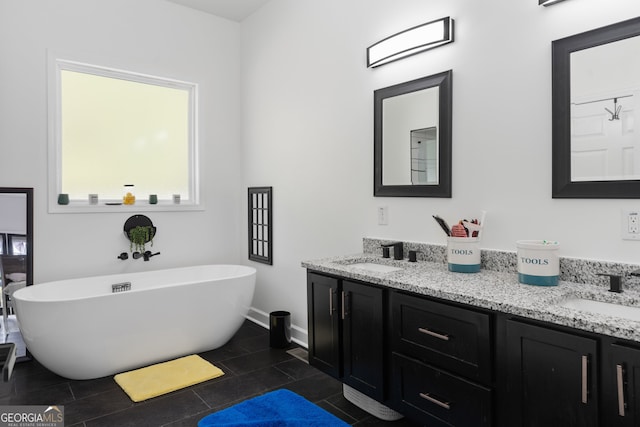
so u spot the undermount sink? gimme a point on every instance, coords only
(378, 268)
(606, 308)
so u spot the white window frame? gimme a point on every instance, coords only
(56, 65)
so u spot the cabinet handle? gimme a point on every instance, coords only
(443, 337)
(620, 383)
(585, 365)
(330, 301)
(345, 303)
(445, 405)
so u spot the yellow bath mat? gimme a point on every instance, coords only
(162, 378)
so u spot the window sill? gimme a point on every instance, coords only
(84, 207)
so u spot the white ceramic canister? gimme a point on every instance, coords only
(538, 262)
(463, 254)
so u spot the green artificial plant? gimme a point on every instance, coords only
(139, 236)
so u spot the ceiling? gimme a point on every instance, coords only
(235, 10)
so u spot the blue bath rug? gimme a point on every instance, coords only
(280, 408)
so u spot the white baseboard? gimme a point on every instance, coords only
(259, 317)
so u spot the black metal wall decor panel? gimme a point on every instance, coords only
(260, 210)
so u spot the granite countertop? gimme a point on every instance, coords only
(493, 290)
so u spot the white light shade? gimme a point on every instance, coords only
(548, 2)
(409, 42)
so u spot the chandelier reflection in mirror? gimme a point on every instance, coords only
(410, 42)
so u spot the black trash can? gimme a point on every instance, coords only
(279, 329)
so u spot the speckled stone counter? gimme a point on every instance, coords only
(494, 290)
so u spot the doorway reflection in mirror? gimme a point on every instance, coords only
(424, 156)
(604, 92)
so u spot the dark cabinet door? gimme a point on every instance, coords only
(621, 383)
(324, 323)
(362, 313)
(552, 377)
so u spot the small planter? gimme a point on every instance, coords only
(139, 230)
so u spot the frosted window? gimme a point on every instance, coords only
(116, 128)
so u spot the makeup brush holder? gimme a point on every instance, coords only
(463, 254)
(538, 262)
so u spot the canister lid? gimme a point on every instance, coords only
(538, 244)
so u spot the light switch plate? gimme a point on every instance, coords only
(383, 215)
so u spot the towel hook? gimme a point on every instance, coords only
(615, 114)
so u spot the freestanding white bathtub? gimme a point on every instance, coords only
(80, 329)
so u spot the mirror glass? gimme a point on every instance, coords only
(412, 138)
(596, 86)
(16, 261)
(605, 84)
(403, 148)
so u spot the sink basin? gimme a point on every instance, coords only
(610, 309)
(378, 268)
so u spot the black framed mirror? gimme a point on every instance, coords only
(595, 96)
(16, 260)
(412, 138)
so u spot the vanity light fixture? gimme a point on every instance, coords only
(409, 42)
(548, 2)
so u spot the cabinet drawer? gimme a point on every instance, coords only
(449, 337)
(431, 394)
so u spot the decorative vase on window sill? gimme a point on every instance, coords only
(129, 198)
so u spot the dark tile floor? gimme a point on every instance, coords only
(251, 368)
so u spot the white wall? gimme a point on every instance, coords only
(308, 129)
(148, 36)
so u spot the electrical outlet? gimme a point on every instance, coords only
(633, 223)
(630, 225)
(383, 215)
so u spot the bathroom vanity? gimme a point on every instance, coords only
(478, 349)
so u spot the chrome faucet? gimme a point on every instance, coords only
(397, 249)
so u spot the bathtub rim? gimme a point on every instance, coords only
(244, 271)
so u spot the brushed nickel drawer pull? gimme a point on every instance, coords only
(343, 306)
(445, 405)
(434, 334)
(585, 363)
(620, 383)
